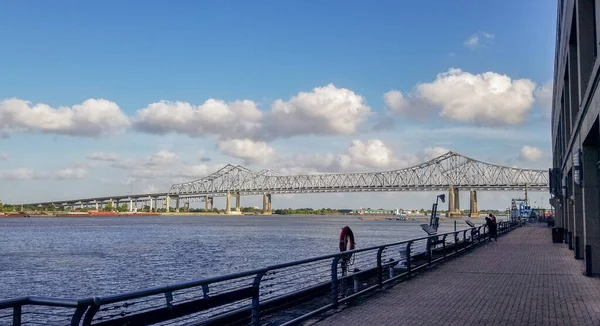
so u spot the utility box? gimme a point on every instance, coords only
(557, 235)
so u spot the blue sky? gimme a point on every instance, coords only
(137, 53)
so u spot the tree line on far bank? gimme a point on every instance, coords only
(124, 208)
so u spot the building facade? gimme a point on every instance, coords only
(574, 178)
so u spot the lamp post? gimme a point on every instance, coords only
(434, 221)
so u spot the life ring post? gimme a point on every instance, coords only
(347, 239)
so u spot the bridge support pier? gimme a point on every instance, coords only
(228, 204)
(453, 202)
(267, 209)
(473, 210)
(167, 203)
(176, 204)
(208, 203)
(238, 200)
(150, 204)
(97, 206)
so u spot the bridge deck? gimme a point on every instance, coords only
(523, 279)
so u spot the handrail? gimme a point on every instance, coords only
(45, 301)
(171, 288)
(265, 286)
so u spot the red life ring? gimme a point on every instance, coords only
(346, 239)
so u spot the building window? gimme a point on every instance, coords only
(585, 13)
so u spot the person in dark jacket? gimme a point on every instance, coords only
(492, 226)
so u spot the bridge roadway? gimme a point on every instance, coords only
(523, 279)
(449, 172)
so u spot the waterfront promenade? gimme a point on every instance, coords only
(523, 279)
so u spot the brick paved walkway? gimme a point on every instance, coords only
(523, 279)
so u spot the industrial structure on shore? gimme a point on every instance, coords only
(576, 132)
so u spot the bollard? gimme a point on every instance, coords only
(588, 260)
(577, 254)
(356, 284)
(570, 235)
(391, 271)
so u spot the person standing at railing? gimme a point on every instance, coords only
(492, 226)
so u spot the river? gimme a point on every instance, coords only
(81, 257)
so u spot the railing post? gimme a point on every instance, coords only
(588, 260)
(465, 238)
(92, 310)
(455, 241)
(444, 245)
(76, 319)
(17, 315)
(379, 267)
(334, 281)
(408, 267)
(428, 248)
(256, 298)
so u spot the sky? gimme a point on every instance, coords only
(102, 98)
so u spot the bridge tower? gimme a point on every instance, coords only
(177, 204)
(267, 209)
(473, 210)
(208, 203)
(237, 203)
(453, 202)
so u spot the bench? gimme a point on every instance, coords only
(433, 241)
(474, 232)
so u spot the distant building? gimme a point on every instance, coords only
(574, 178)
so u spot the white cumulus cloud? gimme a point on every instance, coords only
(396, 102)
(530, 154)
(488, 98)
(247, 149)
(369, 155)
(478, 39)
(326, 110)
(93, 117)
(213, 117)
(372, 153)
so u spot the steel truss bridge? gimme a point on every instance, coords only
(448, 172)
(440, 173)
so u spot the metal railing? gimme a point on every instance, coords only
(301, 289)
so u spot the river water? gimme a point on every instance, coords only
(82, 257)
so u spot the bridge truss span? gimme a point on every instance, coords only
(448, 170)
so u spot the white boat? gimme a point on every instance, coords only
(400, 215)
